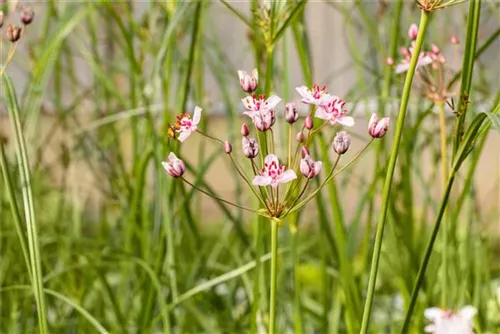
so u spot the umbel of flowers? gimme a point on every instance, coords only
(278, 184)
(281, 186)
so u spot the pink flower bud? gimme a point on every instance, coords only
(378, 128)
(175, 167)
(300, 137)
(227, 147)
(27, 15)
(244, 130)
(308, 123)
(1, 19)
(442, 59)
(291, 112)
(341, 142)
(405, 52)
(454, 40)
(413, 31)
(264, 120)
(250, 147)
(304, 151)
(249, 82)
(435, 49)
(389, 61)
(310, 168)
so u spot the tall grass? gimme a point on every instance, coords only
(96, 238)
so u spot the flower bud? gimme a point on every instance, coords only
(291, 112)
(27, 15)
(341, 142)
(405, 52)
(249, 83)
(435, 49)
(413, 31)
(304, 151)
(264, 120)
(244, 130)
(389, 61)
(308, 123)
(378, 128)
(227, 147)
(250, 147)
(300, 137)
(175, 167)
(310, 168)
(13, 33)
(454, 40)
(1, 19)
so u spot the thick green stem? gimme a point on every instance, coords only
(390, 172)
(274, 276)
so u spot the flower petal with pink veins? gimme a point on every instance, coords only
(184, 135)
(322, 114)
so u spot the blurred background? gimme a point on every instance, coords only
(98, 83)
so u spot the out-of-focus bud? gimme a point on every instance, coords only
(310, 168)
(308, 123)
(244, 130)
(265, 120)
(291, 112)
(227, 147)
(435, 49)
(27, 15)
(250, 147)
(442, 59)
(249, 82)
(175, 167)
(454, 40)
(300, 137)
(341, 142)
(413, 31)
(405, 52)
(1, 19)
(389, 61)
(304, 151)
(13, 33)
(378, 128)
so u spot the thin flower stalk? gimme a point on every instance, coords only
(390, 172)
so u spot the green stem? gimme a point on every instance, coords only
(444, 176)
(274, 276)
(390, 172)
(428, 252)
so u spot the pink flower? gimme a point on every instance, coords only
(249, 82)
(185, 125)
(273, 173)
(317, 95)
(291, 112)
(254, 104)
(378, 128)
(448, 322)
(341, 142)
(413, 31)
(175, 167)
(333, 112)
(310, 168)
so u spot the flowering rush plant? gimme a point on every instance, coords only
(279, 184)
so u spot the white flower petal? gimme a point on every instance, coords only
(196, 115)
(242, 74)
(261, 181)
(287, 176)
(317, 167)
(346, 120)
(467, 312)
(255, 74)
(272, 102)
(270, 158)
(433, 313)
(322, 114)
(402, 67)
(184, 135)
(172, 157)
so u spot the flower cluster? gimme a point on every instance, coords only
(432, 79)
(14, 31)
(279, 185)
(449, 322)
